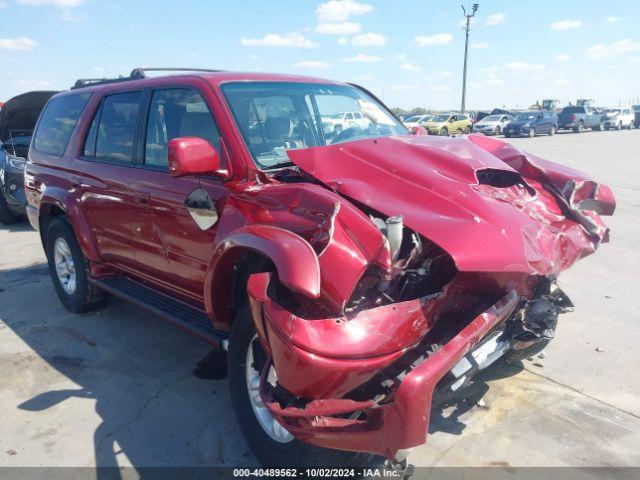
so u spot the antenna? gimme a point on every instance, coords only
(468, 17)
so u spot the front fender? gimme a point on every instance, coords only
(295, 260)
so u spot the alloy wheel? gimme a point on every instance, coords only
(65, 267)
(269, 424)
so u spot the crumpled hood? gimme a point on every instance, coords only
(433, 183)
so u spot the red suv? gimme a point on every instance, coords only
(354, 277)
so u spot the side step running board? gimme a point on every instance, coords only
(185, 316)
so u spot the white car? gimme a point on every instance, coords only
(416, 120)
(492, 124)
(618, 118)
(338, 122)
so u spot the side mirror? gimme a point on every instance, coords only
(419, 130)
(194, 156)
(451, 120)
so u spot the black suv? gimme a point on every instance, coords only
(17, 120)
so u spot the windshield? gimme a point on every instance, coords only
(526, 116)
(612, 111)
(492, 118)
(274, 117)
(415, 118)
(440, 118)
(573, 110)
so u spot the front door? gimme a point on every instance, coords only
(172, 248)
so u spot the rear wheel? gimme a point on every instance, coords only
(69, 269)
(532, 132)
(467, 129)
(6, 216)
(270, 442)
(498, 131)
(444, 131)
(619, 126)
(552, 132)
(579, 128)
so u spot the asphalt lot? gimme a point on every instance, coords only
(116, 388)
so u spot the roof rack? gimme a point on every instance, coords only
(136, 74)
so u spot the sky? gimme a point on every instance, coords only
(409, 53)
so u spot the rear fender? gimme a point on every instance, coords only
(60, 198)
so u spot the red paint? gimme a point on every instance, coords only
(502, 239)
(193, 156)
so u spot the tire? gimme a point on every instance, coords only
(552, 132)
(467, 129)
(337, 130)
(71, 280)
(6, 216)
(498, 131)
(507, 135)
(619, 126)
(271, 453)
(579, 128)
(600, 127)
(532, 132)
(444, 131)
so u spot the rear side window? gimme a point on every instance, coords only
(57, 123)
(112, 130)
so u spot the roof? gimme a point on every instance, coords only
(214, 77)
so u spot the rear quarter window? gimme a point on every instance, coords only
(57, 123)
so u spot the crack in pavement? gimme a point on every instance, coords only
(560, 384)
(141, 410)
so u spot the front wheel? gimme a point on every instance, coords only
(552, 132)
(579, 128)
(467, 129)
(498, 131)
(619, 126)
(69, 269)
(270, 442)
(532, 132)
(444, 132)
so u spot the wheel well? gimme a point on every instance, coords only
(229, 288)
(49, 212)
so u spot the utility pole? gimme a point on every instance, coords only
(468, 16)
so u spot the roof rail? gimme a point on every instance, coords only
(140, 72)
(136, 74)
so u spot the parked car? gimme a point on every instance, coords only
(352, 282)
(416, 120)
(448, 123)
(636, 112)
(18, 116)
(618, 118)
(336, 123)
(577, 118)
(530, 124)
(493, 124)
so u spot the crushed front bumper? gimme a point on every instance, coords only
(382, 426)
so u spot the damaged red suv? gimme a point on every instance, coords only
(354, 277)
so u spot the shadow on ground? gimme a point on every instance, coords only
(137, 369)
(446, 417)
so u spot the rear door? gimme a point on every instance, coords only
(170, 248)
(102, 171)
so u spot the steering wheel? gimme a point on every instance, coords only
(348, 133)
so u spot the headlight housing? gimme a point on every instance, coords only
(16, 162)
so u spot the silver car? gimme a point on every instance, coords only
(492, 124)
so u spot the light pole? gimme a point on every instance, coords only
(468, 16)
